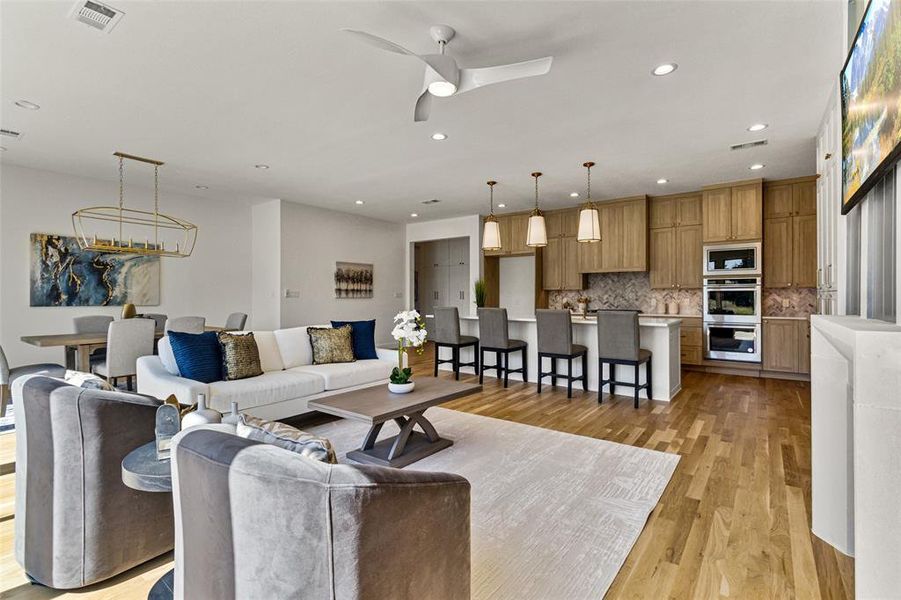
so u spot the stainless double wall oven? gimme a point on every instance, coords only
(732, 302)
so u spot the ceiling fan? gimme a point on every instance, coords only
(442, 75)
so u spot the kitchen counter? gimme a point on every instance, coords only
(660, 335)
(786, 318)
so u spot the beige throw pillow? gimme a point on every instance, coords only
(287, 437)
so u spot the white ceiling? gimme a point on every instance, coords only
(213, 88)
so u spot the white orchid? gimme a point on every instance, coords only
(409, 332)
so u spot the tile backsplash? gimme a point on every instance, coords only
(633, 290)
(629, 290)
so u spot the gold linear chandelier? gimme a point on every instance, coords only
(131, 230)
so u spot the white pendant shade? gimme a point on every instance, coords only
(491, 235)
(589, 225)
(537, 233)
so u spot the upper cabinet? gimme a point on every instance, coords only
(675, 241)
(560, 258)
(790, 234)
(562, 223)
(513, 236)
(624, 238)
(733, 212)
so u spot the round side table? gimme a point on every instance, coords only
(142, 470)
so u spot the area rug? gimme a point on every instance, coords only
(554, 515)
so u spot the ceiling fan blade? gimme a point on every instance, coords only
(381, 43)
(471, 79)
(423, 107)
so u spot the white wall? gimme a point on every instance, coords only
(267, 265)
(469, 226)
(213, 282)
(313, 240)
(517, 285)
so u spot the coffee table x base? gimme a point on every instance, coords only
(406, 447)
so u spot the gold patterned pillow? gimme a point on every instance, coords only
(331, 344)
(240, 355)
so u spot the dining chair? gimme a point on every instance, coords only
(618, 344)
(8, 375)
(235, 321)
(93, 324)
(447, 335)
(158, 318)
(186, 324)
(495, 337)
(126, 341)
(555, 341)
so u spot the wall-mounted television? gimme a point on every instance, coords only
(871, 101)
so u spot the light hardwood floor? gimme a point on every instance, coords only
(734, 521)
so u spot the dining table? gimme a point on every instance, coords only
(79, 346)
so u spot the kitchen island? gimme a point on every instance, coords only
(660, 335)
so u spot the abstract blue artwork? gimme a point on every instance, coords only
(62, 274)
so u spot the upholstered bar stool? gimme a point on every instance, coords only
(494, 337)
(555, 341)
(447, 335)
(618, 344)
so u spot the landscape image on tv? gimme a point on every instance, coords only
(871, 100)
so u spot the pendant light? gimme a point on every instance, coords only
(537, 233)
(491, 236)
(589, 219)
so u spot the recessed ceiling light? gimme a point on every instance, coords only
(757, 166)
(202, 187)
(664, 69)
(758, 127)
(502, 205)
(574, 194)
(414, 215)
(261, 166)
(358, 202)
(439, 136)
(662, 181)
(27, 104)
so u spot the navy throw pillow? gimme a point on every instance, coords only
(198, 355)
(362, 336)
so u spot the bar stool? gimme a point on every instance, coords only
(447, 335)
(618, 344)
(495, 337)
(555, 340)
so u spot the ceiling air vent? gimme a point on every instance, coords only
(432, 201)
(748, 145)
(11, 134)
(94, 14)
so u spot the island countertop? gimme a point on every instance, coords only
(642, 321)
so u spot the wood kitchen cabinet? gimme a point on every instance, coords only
(560, 258)
(513, 236)
(676, 246)
(786, 345)
(790, 234)
(691, 346)
(624, 238)
(733, 212)
(561, 223)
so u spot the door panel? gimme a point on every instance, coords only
(747, 210)
(590, 257)
(689, 256)
(689, 210)
(634, 236)
(778, 201)
(571, 277)
(611, 237)
(804, 198)
(777, 253)
(552, 258)
(717, 215)
(662, 212)
(804, 251)
(663, 258)
(780, 345)
(519, 228)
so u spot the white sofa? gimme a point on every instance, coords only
(289, 380)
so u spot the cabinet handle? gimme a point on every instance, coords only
(789, 284)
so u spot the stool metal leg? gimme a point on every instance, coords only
(455, 357)
(637, 384)
(481, 369)
(569, 378)
(437, 352)
(649, 379)
(525, 365)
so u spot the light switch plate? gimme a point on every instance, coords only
(785, 303)
(292, 294)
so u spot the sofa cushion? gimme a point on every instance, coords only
(294, 346)
(276, 386)
(287, 437)
(343, 375)
(240, 356)
(197, 355)
(362, 336)
(164, 348)
(270, 357)
(331, 345)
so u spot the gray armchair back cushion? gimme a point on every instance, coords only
(92, 323)
(186, 324)
(447, 325)
(493, 330)
(555, 331)
(235, 321)
(618, 336)
(76, 522)
(158, 318)
(254, 521)
(127, 341)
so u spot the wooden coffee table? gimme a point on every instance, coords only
(376, 406)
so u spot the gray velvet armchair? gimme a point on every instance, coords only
(254, 521)
(76, 522)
